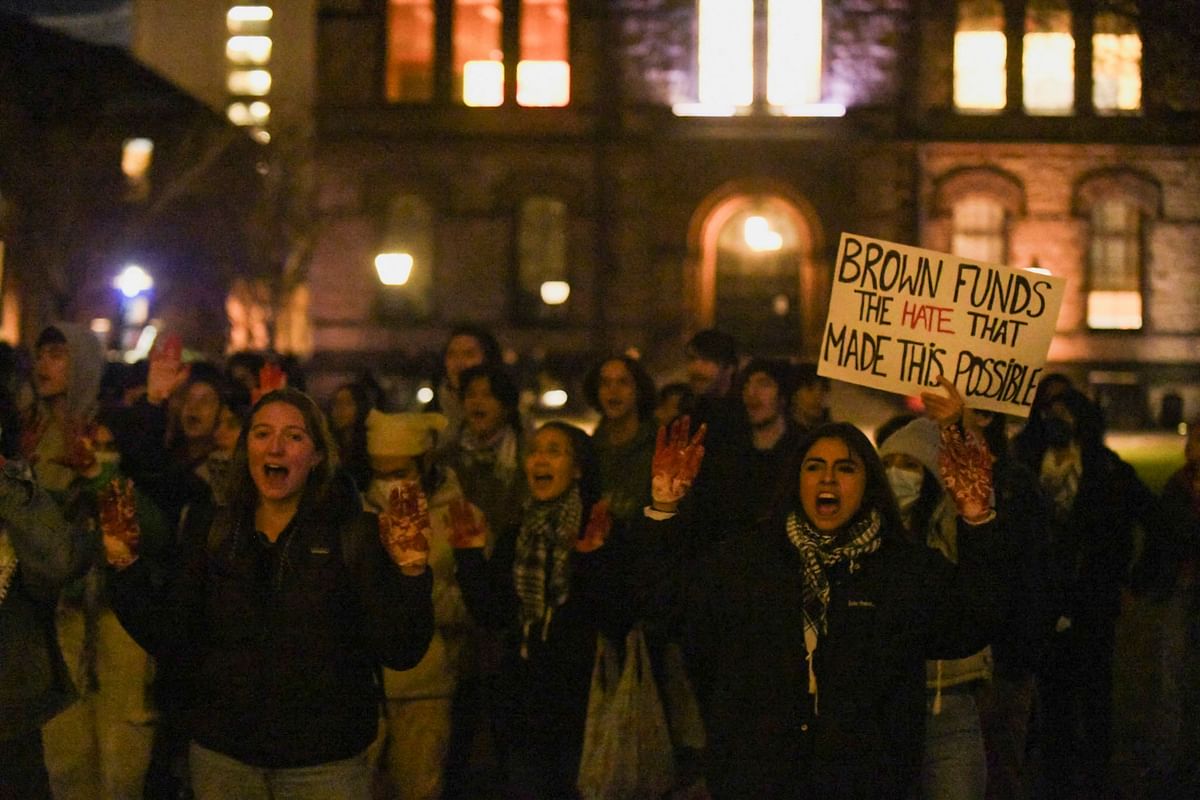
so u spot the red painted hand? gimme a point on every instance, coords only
(595, 533)
(404, 528)
(676, 462)
(466, 531)
(167, 371)
(118, 522)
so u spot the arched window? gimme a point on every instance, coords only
(980, 56)
(543, 279)
(979, 230)
(404, 263)
(1114, 268)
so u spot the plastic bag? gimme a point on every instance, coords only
(627, 751)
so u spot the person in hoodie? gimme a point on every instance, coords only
(954, 763)
(419, 719)
(100, 746)
(288, 599)
(39, 553)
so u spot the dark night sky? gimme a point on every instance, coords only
(98, 21)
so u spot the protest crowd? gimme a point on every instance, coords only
(214, 585)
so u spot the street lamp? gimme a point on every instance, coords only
(133, 280)
(394, 268)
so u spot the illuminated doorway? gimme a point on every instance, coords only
(754, 274)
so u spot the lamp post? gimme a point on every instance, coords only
(134, 283)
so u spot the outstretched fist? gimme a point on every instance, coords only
(676, 462)
(118, 522)
(404, 528)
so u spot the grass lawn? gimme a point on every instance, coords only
(1155, 456)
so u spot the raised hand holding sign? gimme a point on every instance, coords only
(963, 458)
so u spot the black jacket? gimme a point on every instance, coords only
(743, 631)
(282, 642)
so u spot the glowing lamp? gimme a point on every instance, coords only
(554, 398)
(133, 280)
(555, 293)
(483, 83)
(759, 236)
(424, 395)
(394, 268)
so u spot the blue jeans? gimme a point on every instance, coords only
(219, 777)
(955, 766)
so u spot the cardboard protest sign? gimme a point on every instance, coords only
(900, 316)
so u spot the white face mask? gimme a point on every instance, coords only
(906, 485)
(380, 490)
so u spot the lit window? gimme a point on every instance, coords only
(542, 279)
(136, 156)
(794, 37)
(978, 230)
(478, 59)
(404, 264)
(726, 52)
(256, 113)
(251, 82)
(1048, 68)
(980, 56)
(1116, 65)
(248, 19)
(1114, 267)
(410, 51)
(544, 73)
(252, 50)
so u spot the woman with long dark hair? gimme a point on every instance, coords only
(552, 582)
(807, 637)
(288, 598)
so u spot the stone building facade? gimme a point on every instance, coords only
(664, 213)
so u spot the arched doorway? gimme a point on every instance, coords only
(753, 272)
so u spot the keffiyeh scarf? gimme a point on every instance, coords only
(499, 452)
(541, 566)
(819, 552)
(1060, 480)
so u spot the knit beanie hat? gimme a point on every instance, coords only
(405, 434)
(919, 439)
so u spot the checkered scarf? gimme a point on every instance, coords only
(541, 566)
(819, 552)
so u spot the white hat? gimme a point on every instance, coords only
(405, 434)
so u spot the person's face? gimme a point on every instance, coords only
(808, 402)
(395, 468)
(280, 451)
(832, 483)
(703, 376)
(617, 391)
(550, 467)
(342, 410)
(760, 396)
(225, 437)
(667, 409)
(52, 369)
(462, 351)
(484, 412)
(198, 417)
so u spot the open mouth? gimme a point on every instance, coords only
(275, 471)
(827, 504)
(542, 480)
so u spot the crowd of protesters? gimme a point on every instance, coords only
(213, 586)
